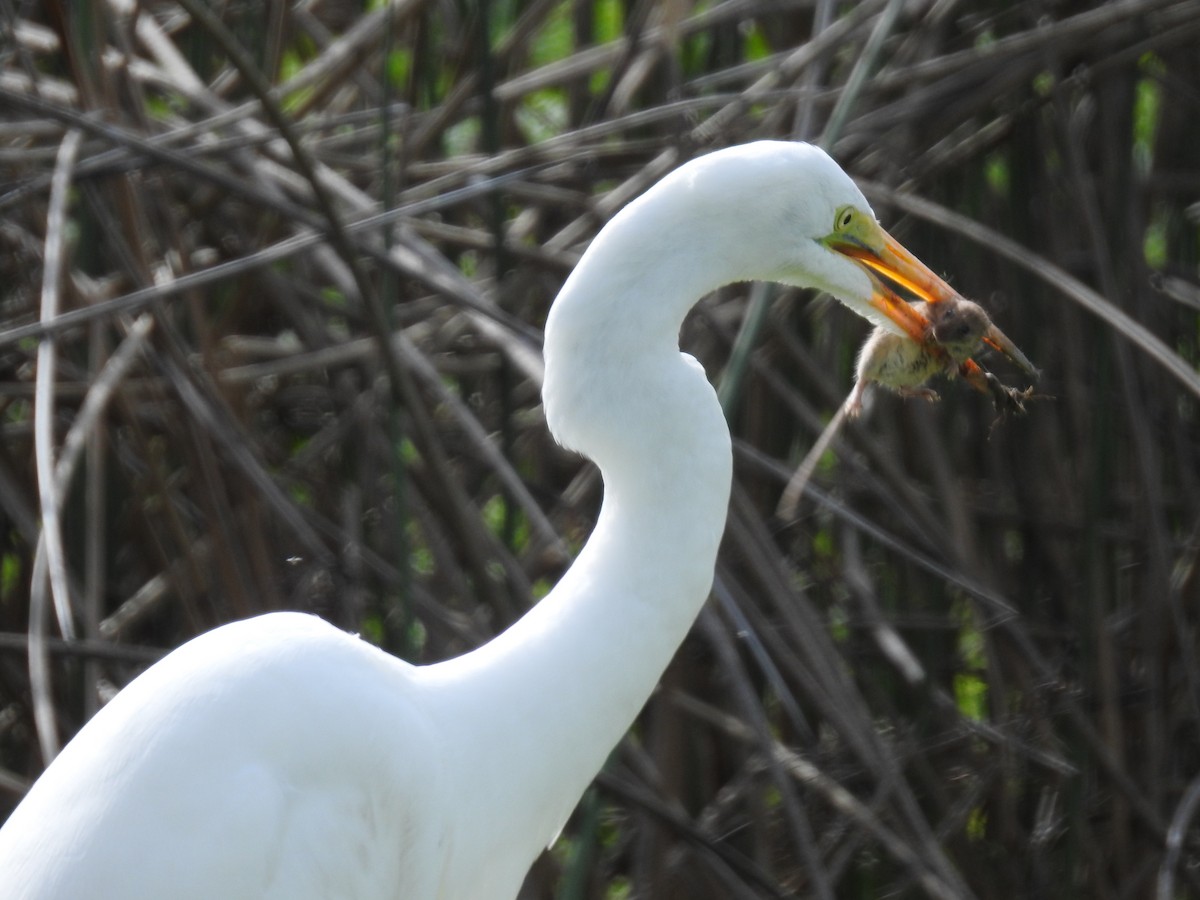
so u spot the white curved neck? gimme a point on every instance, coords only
(581, 664)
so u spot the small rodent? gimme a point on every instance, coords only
(900, 364)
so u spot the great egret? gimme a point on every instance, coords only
(279, 757)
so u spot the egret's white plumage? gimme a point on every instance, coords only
(281, 758)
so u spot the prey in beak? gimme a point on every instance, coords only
(894, 361)
(935, 334)
(891, 267)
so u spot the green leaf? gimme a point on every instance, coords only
(970, 696)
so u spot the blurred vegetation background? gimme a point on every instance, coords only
(272, 281)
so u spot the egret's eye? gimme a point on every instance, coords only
(844, 219)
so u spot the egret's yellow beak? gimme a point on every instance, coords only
(878, 251)
(995, 339)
